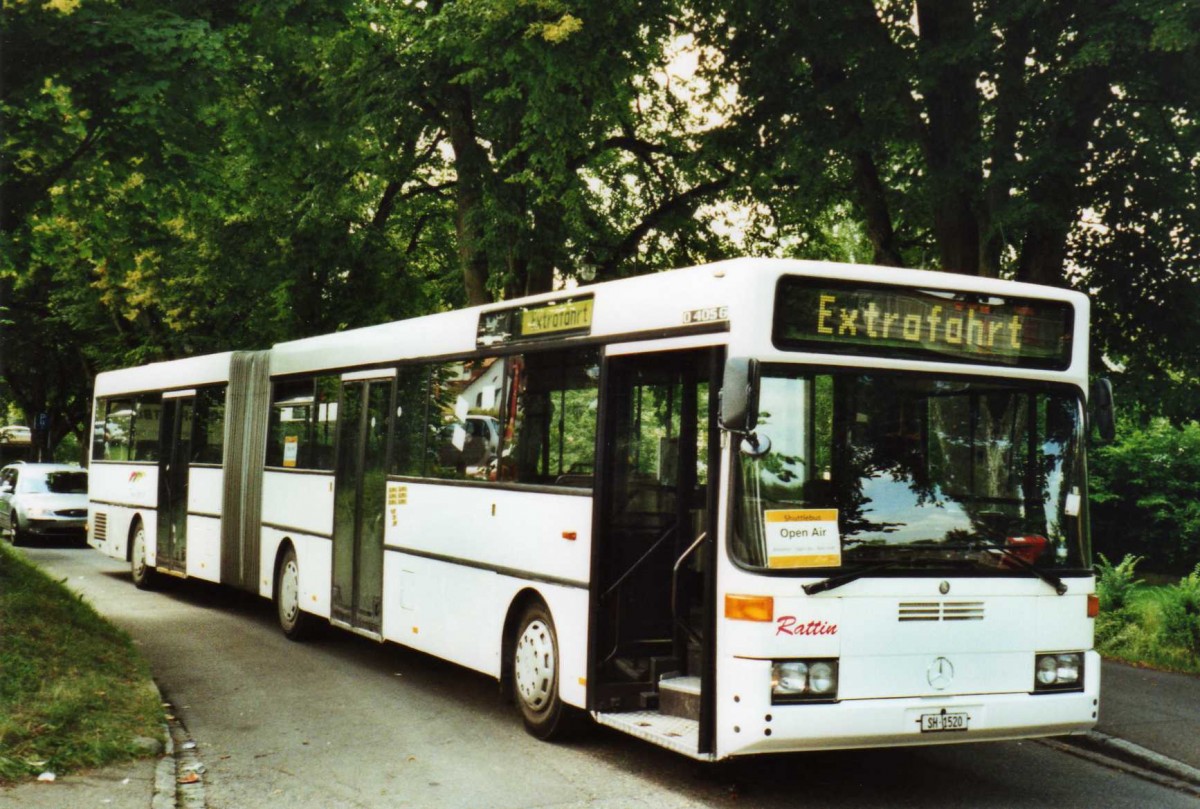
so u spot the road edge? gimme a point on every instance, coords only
(1120, 754)
(179, 777)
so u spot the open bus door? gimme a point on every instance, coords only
(651, 662)
(175, 455)
(360, 493)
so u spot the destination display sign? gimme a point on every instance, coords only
(836, 317)
(563, 318)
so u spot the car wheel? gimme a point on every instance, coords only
(296, 624)
(18, 536)
(143, 574)
(535, 670)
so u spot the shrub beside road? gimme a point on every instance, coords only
(74, 692)
(1157, 626)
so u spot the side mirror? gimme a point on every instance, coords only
(1103, 414)
(739, 395)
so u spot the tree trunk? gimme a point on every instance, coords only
(952, 147)
(471, 166)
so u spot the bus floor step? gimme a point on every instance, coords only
(673, 732)
(680, 696)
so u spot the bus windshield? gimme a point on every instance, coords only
(912, 472)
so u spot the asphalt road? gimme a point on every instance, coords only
(344, 722)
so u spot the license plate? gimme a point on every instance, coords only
(943, 722)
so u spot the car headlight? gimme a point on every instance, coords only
(38, 511)
(803, 681)
(1058, 671)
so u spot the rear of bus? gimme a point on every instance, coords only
(906, 555)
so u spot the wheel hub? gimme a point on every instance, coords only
(289, 591)
(534, 669)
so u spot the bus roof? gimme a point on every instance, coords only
(209, 369)
(656, 304)
(648, 306)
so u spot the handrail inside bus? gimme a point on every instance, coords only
(675, 586)
(617, 584)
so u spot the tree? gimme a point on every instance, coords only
(1048, 142)
(89, 93)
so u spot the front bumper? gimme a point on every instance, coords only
(753, 725)
(72, 528)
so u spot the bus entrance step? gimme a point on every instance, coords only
(680, 696)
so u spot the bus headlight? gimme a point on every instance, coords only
(803, 681)
(1059, 671)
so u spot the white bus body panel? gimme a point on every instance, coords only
(298, 500)
(884, 662)
(204, 522)
(298, 506)
(314, 555)
(437, 604)
(122, 492)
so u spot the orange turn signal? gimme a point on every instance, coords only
(750, 608)
(1093, 605)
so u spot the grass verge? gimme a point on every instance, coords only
(1148, 625)
(73, 690)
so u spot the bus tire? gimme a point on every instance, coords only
(296, 624)
(143, 575)
(535, 669)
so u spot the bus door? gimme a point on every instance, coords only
(360, 491)
(653, 568)
(175, 455)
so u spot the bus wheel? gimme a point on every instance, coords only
(143, 574)
(296, 624)
(535, 665)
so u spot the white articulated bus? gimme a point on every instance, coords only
(754, 506)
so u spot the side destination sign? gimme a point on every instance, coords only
(538, 321)
(942, 325)
(558, 317)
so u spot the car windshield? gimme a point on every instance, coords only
(64, 482)
(912, 471)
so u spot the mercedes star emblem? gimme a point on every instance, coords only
(940, 673)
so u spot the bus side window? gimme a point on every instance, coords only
(289, 430)
(208, 445)
(408, 443)
(147, 421)
(98, 430)
(463, 437)
(550, 424)
(118, 430)
(325, 422)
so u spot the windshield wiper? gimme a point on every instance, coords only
(979, 542)
(848, 576)
(1008, 553)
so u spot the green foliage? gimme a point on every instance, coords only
(74, 693)
(1144, 494)
(1114, 583)
(1180, 610)
(179, 178)
(1156, 626)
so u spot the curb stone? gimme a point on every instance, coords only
(180, 761)
(1130, 757)
(164, 776)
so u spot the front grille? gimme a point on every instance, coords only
(940, 611)
(920, 611)
(100, 526)
(72, 512)
(962, 611)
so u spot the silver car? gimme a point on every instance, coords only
(43, 500)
